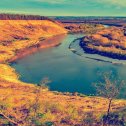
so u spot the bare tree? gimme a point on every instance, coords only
(38, 90)
(110, 88)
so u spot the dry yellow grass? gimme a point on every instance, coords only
(109, 42)
(18, 93)
(15, 93)
(21, 34)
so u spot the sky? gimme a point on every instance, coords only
(65, 7)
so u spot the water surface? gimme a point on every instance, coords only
(68, 71)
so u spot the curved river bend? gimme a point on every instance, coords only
(68, 71)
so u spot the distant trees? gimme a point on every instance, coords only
(23, 17)
(110, 88)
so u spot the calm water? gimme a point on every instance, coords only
(68, 71)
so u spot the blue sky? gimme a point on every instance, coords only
(65, 7)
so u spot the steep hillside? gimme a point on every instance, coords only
(21, 34)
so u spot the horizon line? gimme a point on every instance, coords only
(63, 15)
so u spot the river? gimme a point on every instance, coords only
(68, 71)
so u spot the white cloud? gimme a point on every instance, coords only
(118, 3)
(53, 1)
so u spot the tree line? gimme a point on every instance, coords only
(23, 17)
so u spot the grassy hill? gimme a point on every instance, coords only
(21, 34)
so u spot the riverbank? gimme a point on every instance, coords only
(110, 42)
(19, 35)
(93, 50)
(22, 37)
(43, 44)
